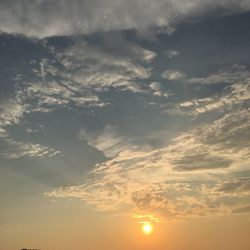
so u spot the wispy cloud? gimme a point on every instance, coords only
(107, 141)
(99, 70)
(232, 75)
(21, 149)
(17, 149)
(162, 182)
(11, 112)
(75, 78)
(236, 93)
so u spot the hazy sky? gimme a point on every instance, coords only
(115, 113)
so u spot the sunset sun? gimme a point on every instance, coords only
(147, 228)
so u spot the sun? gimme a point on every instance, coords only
(147, 228)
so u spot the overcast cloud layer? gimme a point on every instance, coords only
(43, 18)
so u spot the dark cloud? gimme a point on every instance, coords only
(42, 18)
(235, 186)
(201, 162)
(241, 210)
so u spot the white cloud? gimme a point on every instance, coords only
(158, 90)
(172, 75)
(235, 74)
(21, 149)
(237, 92)
(17, 149)
(11, 112)
(83, 72)
(107, 141)
(52, 94)
(95, 69)
(3, 133)
(170, 53)
(76, 76)
(41, 18)
(155, 86)
(187, 104)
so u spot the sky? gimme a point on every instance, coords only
(118, 113)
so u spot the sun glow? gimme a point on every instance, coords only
(147, 228)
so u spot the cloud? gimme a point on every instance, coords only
(201, 161)
(41, 18)
(53, 87)
(99, 70)
(11, 112)
(47, 96)
(21, 149)
(77, 75)
(17, 149)
(237, 186)
(238, 96)
(34, 128)
(189, 176)
(231, 131)
(172, 75)
(234, 84)
(161, 182)
(158, 90)
(107, 141)
(236, 93)
(3, 133)
(241, 210)
(235, 74)
(75, 78)
(170, 53)
(225, 136)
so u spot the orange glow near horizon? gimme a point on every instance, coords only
(147, 228)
